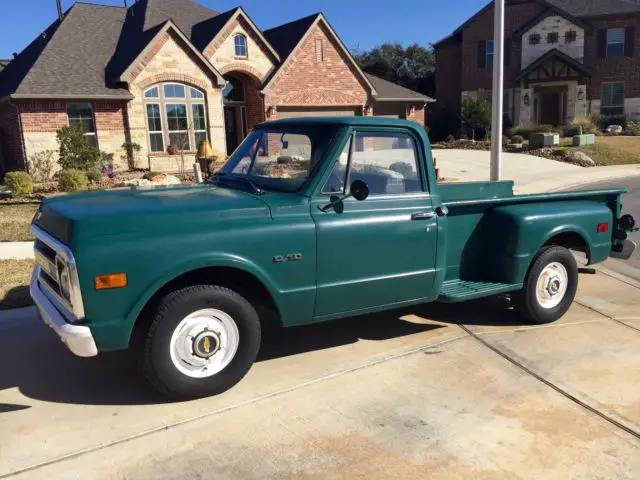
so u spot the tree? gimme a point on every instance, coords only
(476, 114)
(75, 151)
(412, 67)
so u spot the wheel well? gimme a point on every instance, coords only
(237, 280)
(571, 240)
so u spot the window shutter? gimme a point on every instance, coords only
(507, 52)
(629, 41)
(482, 54)
(602, 43)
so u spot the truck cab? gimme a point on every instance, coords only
(309, 220)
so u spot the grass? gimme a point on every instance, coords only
(15, 220)
(14, 283)
(614, 150)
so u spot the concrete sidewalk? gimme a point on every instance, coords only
(530, 174)
(436, 391)
(16, 250)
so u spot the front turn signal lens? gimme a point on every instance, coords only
(112, 280)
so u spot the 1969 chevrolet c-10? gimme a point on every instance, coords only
(310, 220)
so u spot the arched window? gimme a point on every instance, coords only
(176, 115)
(240, 44)
(233, 91)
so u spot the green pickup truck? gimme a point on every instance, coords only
(310, 219)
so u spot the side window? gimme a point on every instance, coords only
(386, 162)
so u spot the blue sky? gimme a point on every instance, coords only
(360, 23)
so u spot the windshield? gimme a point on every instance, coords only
(279, 159)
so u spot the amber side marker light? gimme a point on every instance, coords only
(113, 280)
(603, 227)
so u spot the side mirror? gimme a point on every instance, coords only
(359, 190)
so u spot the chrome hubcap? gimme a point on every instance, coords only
(552, 285)
(204, 343)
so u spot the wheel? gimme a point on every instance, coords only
(550, 285)
(202, 341)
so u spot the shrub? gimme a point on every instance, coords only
(451, 138)
(603, 121)
(476, 114)
(586, 124)
(72, 180)
(94, 175)
(150, 175)
(75, 150)
(527, 130)
(632, 130)
(505, 140)
(19, 183)
(41, 165)
(517, 139)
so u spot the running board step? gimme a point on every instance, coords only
(460, 291)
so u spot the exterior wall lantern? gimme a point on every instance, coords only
(526, 99)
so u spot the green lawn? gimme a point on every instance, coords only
(614, 150)
(15, 220)
(14, 283)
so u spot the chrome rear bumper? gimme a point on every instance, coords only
(77, 338)
(625, 252)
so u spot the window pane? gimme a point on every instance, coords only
(240, 43)
(490, 47)
(386, 163)
(177, 117)
(156, 142)
(153, 117)
(92, 140)
(196, 93)
(615, 35)
(615, 50)
(86, 125)
(200, 137)
(199, 122)
(152, 93)
(174, 91)
(612, 94)
(79, 110)
(336, 181)
(233, 91)
(180, 140)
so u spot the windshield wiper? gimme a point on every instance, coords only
(225, 176)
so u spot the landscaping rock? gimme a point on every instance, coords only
(580, 158)
(161, 179)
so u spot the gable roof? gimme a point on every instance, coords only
(3, 64)
(185, 14)
(573, 8)
(288, 37)
(563, 57)
(219, 24)
(389, 91)
(68, 60)
(159, 32)
(204, 32)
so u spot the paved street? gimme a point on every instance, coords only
(439, 391)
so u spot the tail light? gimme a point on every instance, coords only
(603, 227)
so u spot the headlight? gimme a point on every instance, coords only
(64, 279)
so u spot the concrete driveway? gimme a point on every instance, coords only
(439, 391)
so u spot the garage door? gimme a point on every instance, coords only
(293, 112)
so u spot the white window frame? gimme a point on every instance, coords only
(93, 120)
(603, 105)
(189, 100)
(149, 131)
(609, 43)
(236, 46)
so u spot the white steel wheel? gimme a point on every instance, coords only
(204, 343)
(551, 285)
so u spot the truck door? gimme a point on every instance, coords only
(380, 251)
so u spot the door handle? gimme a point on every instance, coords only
(422, 215)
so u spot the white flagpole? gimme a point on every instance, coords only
(498, 88)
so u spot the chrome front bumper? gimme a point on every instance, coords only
(77, 338)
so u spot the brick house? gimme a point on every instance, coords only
(164, 73)
(564, 59)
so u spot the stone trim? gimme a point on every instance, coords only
(243, 67)
(173, 77)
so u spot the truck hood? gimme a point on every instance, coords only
(152, 210)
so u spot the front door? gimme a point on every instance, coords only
(231, 128)
(380, 251)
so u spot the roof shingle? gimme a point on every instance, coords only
(391, 91)
(284, 38)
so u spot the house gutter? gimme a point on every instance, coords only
(44, 96)
(414, 100)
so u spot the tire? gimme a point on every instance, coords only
(538, 302)
(200, 320)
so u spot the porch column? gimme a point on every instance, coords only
(581, 102)
(526, 106)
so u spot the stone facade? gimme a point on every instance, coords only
(581, 91)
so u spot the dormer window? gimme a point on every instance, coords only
(553, 38)
(571, 36)
(240, 45)
(534, 39)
